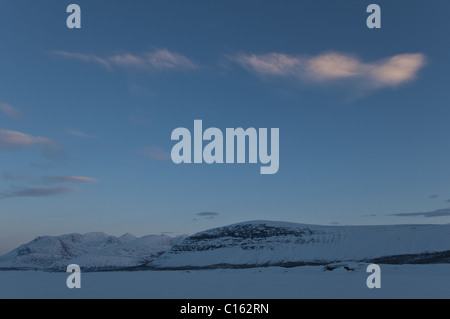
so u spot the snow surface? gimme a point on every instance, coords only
(397, 281)
(263, 243)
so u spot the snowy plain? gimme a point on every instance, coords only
(397, 281)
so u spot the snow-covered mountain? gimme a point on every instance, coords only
(265, 243)
(248, 244)
(92, 251)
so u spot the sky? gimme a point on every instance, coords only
(86, 115)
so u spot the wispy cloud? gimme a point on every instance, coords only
(334, 66)
(159, 59)
(155, 153)
(67, 179)
(434, 213)
(275, 64)
(32, 191)
(398, 69)
(12, 140)
(48, 179)
(36, 192)
(83, 57)
(208, 215)
(10, 111)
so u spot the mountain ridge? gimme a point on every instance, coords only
(257, 243)
(93, 251)
(271, 243)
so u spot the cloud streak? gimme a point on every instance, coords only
(67, 179)
(207, 215)
(12, 140)
(334, 66)
(159, 59)
(36, 192)
(10, 111)
(431, 214)
(83, 57)
(49, 179)
(27, 191)
(81, 134)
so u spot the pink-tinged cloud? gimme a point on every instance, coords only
(12, 140)
(83, 57)
(399, 69)
(67, 179)
(164, 59)
(10, 111)
(270, 64)
(49, 179)
(128, 60)
(160, 59)
(333, 66)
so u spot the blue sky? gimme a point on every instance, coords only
(86, 115)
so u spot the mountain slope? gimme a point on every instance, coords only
(264, 243)
(92, 251)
